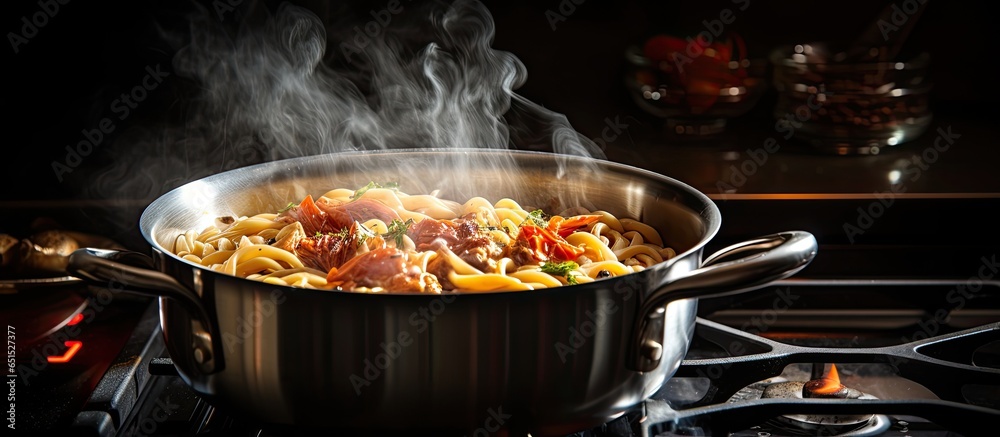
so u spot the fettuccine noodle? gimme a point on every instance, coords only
(379, 239)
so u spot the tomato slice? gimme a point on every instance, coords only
(565, 226)
(547, 244)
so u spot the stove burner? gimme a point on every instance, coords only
(829, 386)
(812, 423)
(809, 424)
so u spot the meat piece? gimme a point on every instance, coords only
(430, 234)
(323, 216)
(360, 210)
(388, 268)
(522, 253)
(315, 220)
(440, 268)
(483, 257)
(462, 236)
(326, 251)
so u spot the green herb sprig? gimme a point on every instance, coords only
(537, 218)
(397, 230)
(361, 191)
(564, 269)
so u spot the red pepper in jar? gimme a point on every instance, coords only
(699, 68)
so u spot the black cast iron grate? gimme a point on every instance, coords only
(943, 364)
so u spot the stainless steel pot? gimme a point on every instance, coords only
(551, 361)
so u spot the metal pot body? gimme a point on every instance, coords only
(551, 361)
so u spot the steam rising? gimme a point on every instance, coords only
(285, 88)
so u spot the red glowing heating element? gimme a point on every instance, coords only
(73, 346)
(75, 320)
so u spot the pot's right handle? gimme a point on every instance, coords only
(770, 258)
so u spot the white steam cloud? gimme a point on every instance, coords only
(285, 88)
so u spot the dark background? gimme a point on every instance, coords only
(64, 79)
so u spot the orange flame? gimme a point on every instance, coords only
(830, 383)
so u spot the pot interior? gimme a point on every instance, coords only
(685, 218)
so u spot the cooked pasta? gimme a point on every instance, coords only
(380, 239)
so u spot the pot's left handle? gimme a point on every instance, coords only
(101, 267)
(759, 262)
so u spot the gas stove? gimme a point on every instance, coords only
(925, 367)
(922, 379)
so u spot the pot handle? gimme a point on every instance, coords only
(104, 267)
(763, 261)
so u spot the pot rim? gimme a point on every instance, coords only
(709, 214)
